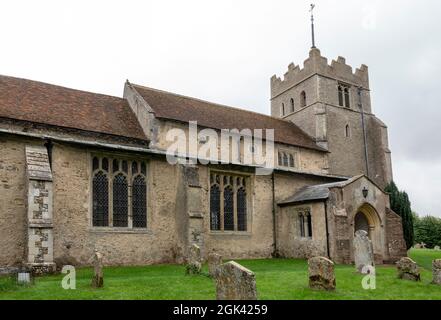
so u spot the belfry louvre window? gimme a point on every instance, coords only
(119, 193)
(343, 96)
(228, 202)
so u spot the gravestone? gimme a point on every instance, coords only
(194, 261)
(417, 246)
(437, 248)
(436, 269)
(98, 280)
(363, 250)
(214, 263)
(235, 282)
(321, 274)
(408, 269)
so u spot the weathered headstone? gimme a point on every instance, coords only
(194, 263)
(321, 274)
(97, 280)
(437, 248)
(363, 250)
(408, 269)
(214, 263)
(417, 246)
(235, 282)
(436, 269)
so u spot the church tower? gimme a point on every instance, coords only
(332, 103)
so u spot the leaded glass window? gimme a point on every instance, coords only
(120, 201)
(241, 210)
(228, 209)
(100, 194)
(139, 202)
(215, 208)
(126, 180)
(228, 203)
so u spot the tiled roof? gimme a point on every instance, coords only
(317, 192)
(48, 104)
(172, 106)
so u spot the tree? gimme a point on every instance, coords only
(400, 203)
(428, 230)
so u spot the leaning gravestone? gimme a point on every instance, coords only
(98, 279)
(363, 251)
(436, 269)
(408, 269)
(321, 274)
(214, 263)
(235, 282)
(194, 263)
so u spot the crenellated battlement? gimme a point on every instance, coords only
(317, 64)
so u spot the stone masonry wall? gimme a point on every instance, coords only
(395, 238)
(13, 198)
(74, 237)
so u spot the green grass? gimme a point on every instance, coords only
(276, 279)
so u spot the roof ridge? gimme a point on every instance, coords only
(59, 86)
(213, 103)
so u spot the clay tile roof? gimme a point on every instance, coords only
(44, 103)
(172, 106)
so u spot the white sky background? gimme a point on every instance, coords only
(226, 51)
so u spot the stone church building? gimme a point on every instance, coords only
(81, 171)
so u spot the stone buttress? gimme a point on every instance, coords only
(40, 196)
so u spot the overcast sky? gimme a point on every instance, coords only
(226, 51)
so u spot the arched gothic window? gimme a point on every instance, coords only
(126, 181)
(347, 101)
(285, 160)
(340, 96)
(228, 209)
(303, 99)
(241, 209)
(291, 161)
(282, 110)
(292, 105)
(305, 224)
(120, 201)
(229, 190)
(347, 131)
(100, 194)
(344, 99)
(302, 225)
(215, 208)
(139, 202)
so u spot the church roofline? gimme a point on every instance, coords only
(145, 150)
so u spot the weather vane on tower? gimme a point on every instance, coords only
(312, 24)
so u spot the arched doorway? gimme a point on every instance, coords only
(361, 222)
(367, 219)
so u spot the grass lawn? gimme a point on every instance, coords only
(276, 279)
